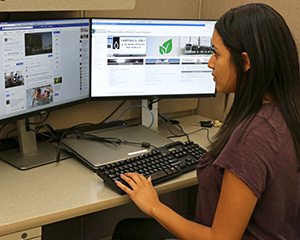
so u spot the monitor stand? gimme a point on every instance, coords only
(147, 117)
(162, 127)
(30, 153)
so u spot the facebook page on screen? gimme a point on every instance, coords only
(43, 64)
(150, 57)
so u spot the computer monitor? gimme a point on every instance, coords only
(45, 65)
(151, 58)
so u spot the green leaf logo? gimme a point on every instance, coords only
(166, 47)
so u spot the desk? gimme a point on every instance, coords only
(68, 189)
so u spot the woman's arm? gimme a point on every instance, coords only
(235, 207)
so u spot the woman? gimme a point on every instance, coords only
(249, 181)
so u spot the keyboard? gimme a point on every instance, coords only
(162, 163)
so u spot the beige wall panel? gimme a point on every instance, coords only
(155, 9)
(64, 5)
(19, 16)
(177, 105)
(91, 112)
(213, 9)
(290, 10)
(213, 108)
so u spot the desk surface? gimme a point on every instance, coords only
(68, 189)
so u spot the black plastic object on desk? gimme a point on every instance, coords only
(162, 164)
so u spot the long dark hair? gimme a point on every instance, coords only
(262, 32)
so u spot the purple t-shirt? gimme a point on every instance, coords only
(265, 160)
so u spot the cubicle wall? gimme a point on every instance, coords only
(212, 9)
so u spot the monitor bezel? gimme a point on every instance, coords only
(148, 97)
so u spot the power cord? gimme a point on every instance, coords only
(113, 112)
(174, 122)
(5, 144)
(106, 140)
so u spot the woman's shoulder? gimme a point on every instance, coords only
(269, 120)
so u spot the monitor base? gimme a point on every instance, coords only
(46, 153)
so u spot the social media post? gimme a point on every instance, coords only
(42, 78)
(11, 39)
(38, 43)
(13, 78)
(58, 80)
(15, 100)
(122, 46)
(195, 45)
(39, 96)
(163, 46)
(66, 88)
(39, 63)
(13, 57)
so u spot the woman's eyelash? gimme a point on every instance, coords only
(213, 50)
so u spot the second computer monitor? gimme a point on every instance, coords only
(151, 58)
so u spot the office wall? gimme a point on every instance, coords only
(155, 9)
(289, 9)
(213, 9)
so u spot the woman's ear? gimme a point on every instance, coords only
(247, 63)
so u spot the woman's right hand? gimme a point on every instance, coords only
(142, 193)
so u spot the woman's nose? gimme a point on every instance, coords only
(211, 62)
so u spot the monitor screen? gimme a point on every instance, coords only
(151, 58)
(44, 65)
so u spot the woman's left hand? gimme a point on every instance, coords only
(142, 193)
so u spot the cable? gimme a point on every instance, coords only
(46, 126)
(151, 102)
(131, 108)
(113, 112)
(164, 117)
(2, 127)
(81, 125)
(177, 124)
(143, 144)
(51, 132)
(106, 140)
(6, 137)
(91, 137)
(41, 120)
(184, 133)
(201, 129)
(111, 140)
(92, 124)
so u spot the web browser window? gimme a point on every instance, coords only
(43, 64)
(144, 57)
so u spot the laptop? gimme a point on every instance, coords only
(93, 154)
